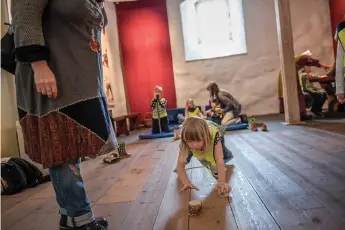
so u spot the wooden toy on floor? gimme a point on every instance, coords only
(255, 124)
(195, 207)
(224, 194)
(111, 158)
(264, 128)
(254, 127)
(116, 156)
(122, 150)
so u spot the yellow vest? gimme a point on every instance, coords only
(193, 114)
(162, 111)
(207, 158)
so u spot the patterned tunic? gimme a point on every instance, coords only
(67, 34)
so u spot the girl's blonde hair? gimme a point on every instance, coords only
(190, 100)
(158, 89)
(194, 129)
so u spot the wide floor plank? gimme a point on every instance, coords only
(322, 160)
(144, 210)
(249, 210)
(173, 212)
(216, 212)
(283, 197)
(298, 160)
(320, 187)
(114, 212)
(328, 138)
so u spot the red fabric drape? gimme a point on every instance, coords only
(337, 9)
(146, 52)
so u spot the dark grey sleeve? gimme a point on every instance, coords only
(231, 102)
(27, 28)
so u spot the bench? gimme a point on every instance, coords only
(133, 121)
(122, 125)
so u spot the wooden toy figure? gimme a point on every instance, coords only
(264, 128)
(194, 207)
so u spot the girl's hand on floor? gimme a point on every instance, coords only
(189, 186)
(223, 187)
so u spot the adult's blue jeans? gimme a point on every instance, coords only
(70, 193)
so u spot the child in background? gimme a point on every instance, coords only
(216, 113)
(192, 110)
(205, 141)
(318, 96)
(160, 121)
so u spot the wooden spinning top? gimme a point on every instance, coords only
(194, 207)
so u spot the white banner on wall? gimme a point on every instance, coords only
(212, 28)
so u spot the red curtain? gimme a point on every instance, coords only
(146, 52)
(337, 9)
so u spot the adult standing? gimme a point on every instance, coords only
(230, 106)
(61, 102)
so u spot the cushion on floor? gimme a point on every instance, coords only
(236, 126)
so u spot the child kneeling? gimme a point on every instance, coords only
(205, 141)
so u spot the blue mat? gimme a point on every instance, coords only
(149, 135)
(236, 126)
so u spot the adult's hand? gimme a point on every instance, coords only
(44, 79)
(327, 67)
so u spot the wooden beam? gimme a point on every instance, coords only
(287, 61)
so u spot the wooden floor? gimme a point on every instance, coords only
(288, 178)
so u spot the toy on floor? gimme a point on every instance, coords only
(111, 158)
(222, 193)
(254, 125)
(195, 207)
(264, 128)
(121, 153)
(122, 150)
